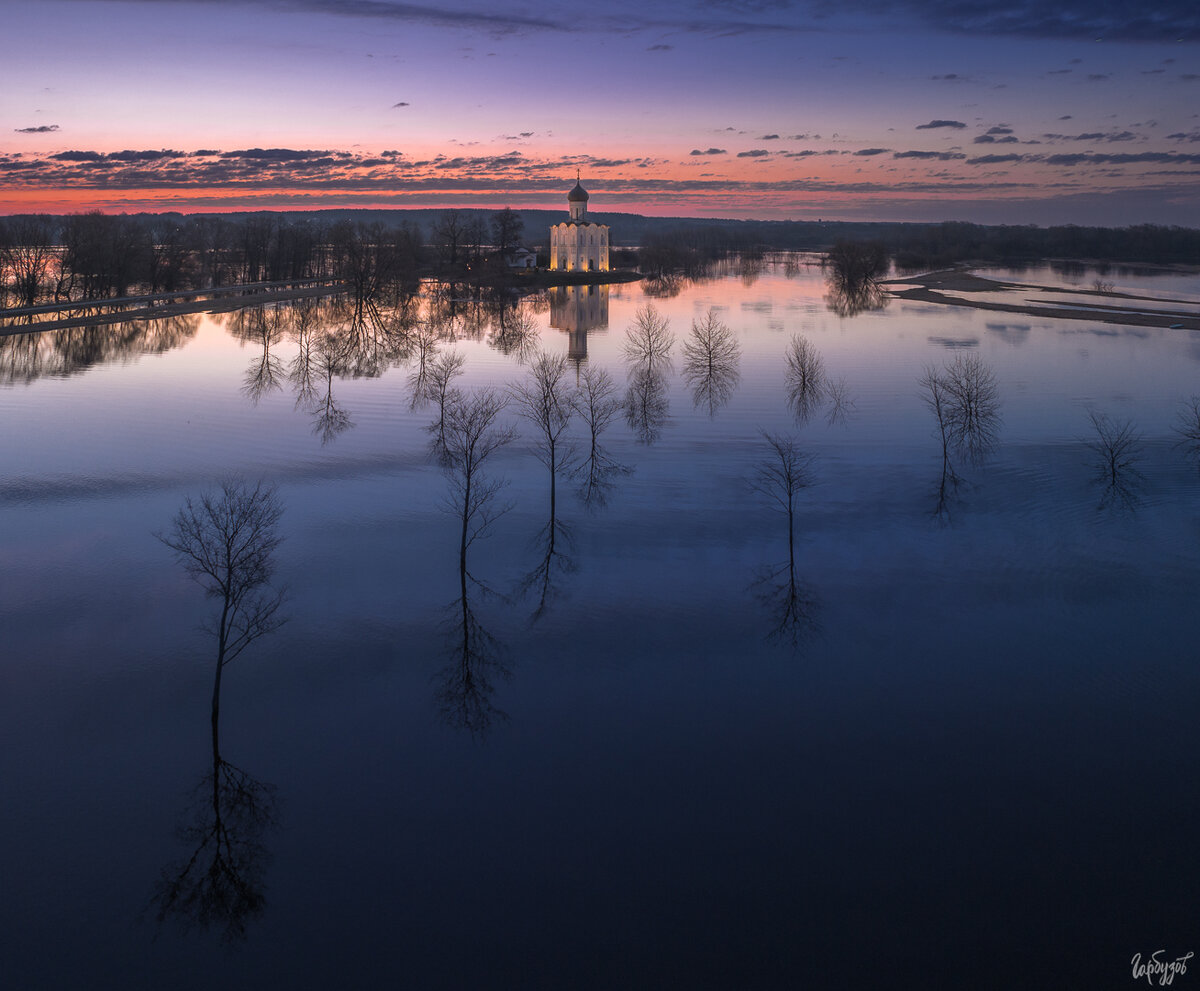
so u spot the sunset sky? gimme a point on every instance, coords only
(1077, 111)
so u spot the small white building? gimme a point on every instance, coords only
(577, 245)
(521, 258)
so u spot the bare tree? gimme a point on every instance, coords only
(225, 541)
(806, 381)
(443, 370)
(597, 404)
(29, 256)
(545, 400)
(780, 478)
(1187, 426)
(965, 401)
(472, 437)
(1117, 448)
(506, 231)
(449, 233)
(711, 354)
(974, 406)
(854, 263)
(648, 340)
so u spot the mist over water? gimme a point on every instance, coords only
(943, 733)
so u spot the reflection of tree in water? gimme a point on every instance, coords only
(221, 883)
(809, 387)
(25, 358)
(647, 406)
(597, 404)
(424, 343)
(790, 602)
(328, 418)
(666, 286)
(710, 366)
(439, 387)
(851, 300)
(263, 326)
(225, 541)
(751, 268)
(514, 332)
(466, 686)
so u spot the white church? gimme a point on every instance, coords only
(577, 245)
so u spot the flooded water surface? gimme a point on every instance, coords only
(638, 733)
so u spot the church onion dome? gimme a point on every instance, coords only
(578, 194)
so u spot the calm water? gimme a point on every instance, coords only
(973, 764)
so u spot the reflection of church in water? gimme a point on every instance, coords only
(578, 309)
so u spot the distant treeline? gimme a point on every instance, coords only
(46, 258)
(943, 244)
(98, 256)
(87, 256)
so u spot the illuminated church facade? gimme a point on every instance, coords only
(577, 245)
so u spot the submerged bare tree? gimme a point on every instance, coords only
(648, 340)
(226, 542)
(473, 435)
(780, 477)
(596, 403)
(472, 438)
(547, 401)
(1187, 426)
(965, 401)
(710, 355)
(807, 384)
(1116, 448)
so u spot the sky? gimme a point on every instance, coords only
(1080, 111)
